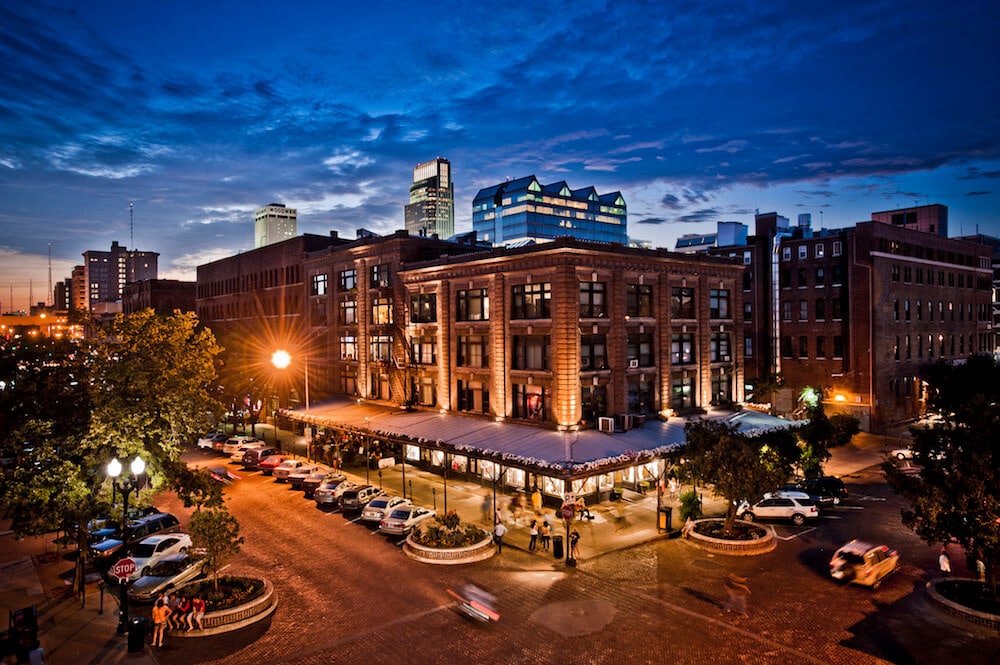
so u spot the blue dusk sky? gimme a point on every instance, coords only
(698, 112)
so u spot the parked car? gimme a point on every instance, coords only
(357, 498)
(327, 495)
(314, 480)
(172, 571)
(863, 563)
(270, 463)
(819, 494)
(832, 484)
(296, 477)
(237, 456)
(234, 442)
(402, 519)
(213, 440)
(105, 526)
(283, 470)
(781, 506)
(109, 550)
(901, 453)
(150, 551)
(254, 456)
(380, 506)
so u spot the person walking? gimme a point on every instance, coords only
(574, 545)
(944, 563)
(980, 569)
(499, 531)
(486, 508)
(533, 532)
(197, 613)
(160, 614)
(737, 593)
(581, 509)
(536, 501)
(546, 533)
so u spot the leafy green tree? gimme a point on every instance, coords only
(740, 467)
(954, 495)
(218, 533)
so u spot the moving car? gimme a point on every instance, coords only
(327, 495)
(222, 474)
(781, 505)
(270, 463)
(863, 563)
(901, 453)
(402, 519)
(150, 551)
(213, 440)
(172, 571)
(380, 506)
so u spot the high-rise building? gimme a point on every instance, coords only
(431, 210)
(105, 274)
(524, 209)
(273, 223)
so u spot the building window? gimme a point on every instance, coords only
(531, 402)
(422, 387)
(639, 300)
(747, 346)
(747, 311)
(895, 310)
(747, 280)
(531, 352)
(348, 381)
(423, 308)
(473, 305)
(722, 386)
(803, 310)
(718, 303)
(381, 276)
(381, 348)
(592, 301)
(593, 402)
(348, 279)
(820, 346)
(682, 302)
(348, 313)
(423, 350)
(473, 396)
(909, 352)
(837, 247)
(820, 309)
(838, 346)
(803, 251)
(379, 387)
(317, 313)
(318, 285)
(682, 349)
(531, 301)
(348, 347)
(895, 349)
(718, 347)
(786, 253)
(920, 310)
(641, 395)
(837, 305)
(786, 278)
(838, 275)
(593, 352)
(381, 311)
(803, 346)
(786, 346)
(639, 349)
(802, 279)
(820, 277)
(746, 258)
(682, 393)
(906, 309)
(472, 351)
(786, 311)
(819, 250)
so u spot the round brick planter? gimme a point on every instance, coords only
(234, 618)
(761, 545)
(951, 607)
(484, 549)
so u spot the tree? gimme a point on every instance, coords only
(218, 533)
(764, 388)
(954, 496)
(739, 466)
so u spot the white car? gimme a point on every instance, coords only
(213, 441)
(901, 453)
(328, 494)
(298, 476)
(380, 506)
(781, 506)
(285, 469)
(403, 518)
(150, 551)
(237, 456)
(234, 442)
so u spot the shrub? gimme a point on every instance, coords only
(447, 532)
(231, 591)
(690, 505)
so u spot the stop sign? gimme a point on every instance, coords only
(567, 511)
(123, 569)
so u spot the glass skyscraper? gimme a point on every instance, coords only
(431, 210)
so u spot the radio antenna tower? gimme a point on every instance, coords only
(131, 225)
(47, 299)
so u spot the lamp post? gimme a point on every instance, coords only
(282, 359)
(131, 483)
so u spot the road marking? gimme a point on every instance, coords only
(355, 520)
(842, 507)
(832, 517)
(794, 535)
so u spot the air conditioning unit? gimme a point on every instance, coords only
(726, 359)
(627, 422)
(633, 364)
(606, 425)
(584, 361)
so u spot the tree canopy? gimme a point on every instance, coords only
(952, 492)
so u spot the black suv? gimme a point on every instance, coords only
(830, 484)
(109, 550)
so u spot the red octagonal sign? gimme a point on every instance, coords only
(123, 569)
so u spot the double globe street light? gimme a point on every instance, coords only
(133, 482)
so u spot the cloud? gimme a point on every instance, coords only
(975, 173)
(983, 193)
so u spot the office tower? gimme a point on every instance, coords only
(273, 223)
(524, 209)
(107, 273)
(431, 210)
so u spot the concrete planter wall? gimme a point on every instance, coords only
(234, 618)
(484, 549)
(761, 545)
(966, 613)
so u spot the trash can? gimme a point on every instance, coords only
(136, 634)
(557, 546)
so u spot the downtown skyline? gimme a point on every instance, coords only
(201, 114)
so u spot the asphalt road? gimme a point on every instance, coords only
(348, 595)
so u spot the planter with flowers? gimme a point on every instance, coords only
(447, 541)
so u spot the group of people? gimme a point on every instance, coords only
(540, 529)
(176, 611)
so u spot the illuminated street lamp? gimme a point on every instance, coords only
(131, 483)
(282, 359)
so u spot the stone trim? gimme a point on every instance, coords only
(484, 549)
(966, 613)
(234, 618)
(734, 547)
